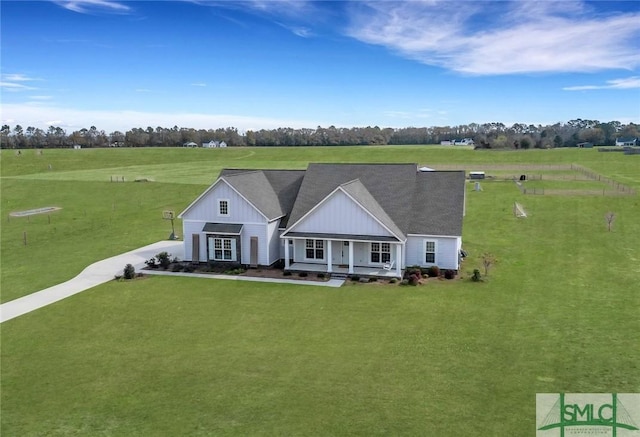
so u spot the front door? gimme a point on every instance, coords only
(345, 253)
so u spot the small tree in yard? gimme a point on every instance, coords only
(609, 217)
(488, 261)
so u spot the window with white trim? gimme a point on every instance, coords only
(429, 252)
(222, 249)
(380, 252)
(223, 207)
(314, 249)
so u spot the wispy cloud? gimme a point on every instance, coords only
(199, 84)
(92, 6)
(619, 84)
(301, 31)
(14, 82)
(517, 37)
(297, 16)
(18, 77)
(15, 87)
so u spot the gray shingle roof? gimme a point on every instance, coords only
(416, 202)
(271, 191)
(438, 203)
(406, 200)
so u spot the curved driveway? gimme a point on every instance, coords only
(96, 274)
(105, 270)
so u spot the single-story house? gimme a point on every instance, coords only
(626, 142)
(368, 219)
(190, 144)
(464, 142)
(585, 145)
(214, 144)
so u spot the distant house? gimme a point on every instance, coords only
(190, 144)
(214, 144)
(368, 219)
(464, 142)
(626, 142)
(77, 146)
(446, 143)
(585, 145)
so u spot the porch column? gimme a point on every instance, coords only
(286, 253)
(399, 259)
(329, 256)
(350, 257)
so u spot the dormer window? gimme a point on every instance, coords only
(223, 207)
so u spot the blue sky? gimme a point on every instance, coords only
(267, 64)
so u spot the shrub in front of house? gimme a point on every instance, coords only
(449, 274)
(151, 263)
(176, 267)
(189, 268)
(414, 279)
(393, 281)
(287, 273)
(355, 278)
(413, 271)
(433, 271)
(164, 259)
(404, 282)
(303, 274)
(321, 275)
(129, 272)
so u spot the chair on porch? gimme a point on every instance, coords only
(388, 265)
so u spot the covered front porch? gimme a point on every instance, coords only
(366, 255)
(344, 270)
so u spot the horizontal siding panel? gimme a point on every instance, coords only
(447, 251)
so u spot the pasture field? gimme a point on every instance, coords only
(181, 356)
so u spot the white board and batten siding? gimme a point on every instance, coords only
(206, 207)
(206, 210)
(447, 251)
(339, 214)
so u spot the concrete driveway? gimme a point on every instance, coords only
(105, 270)
(96, 274)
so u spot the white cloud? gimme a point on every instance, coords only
(73, 119)
(515, 37)
(14, 87)
(89, 6)
(618, 84)
(12, 82)
(199, 84)
(18, 77)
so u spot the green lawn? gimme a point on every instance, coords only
(178, 356)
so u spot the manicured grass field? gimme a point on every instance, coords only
(177, 356)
